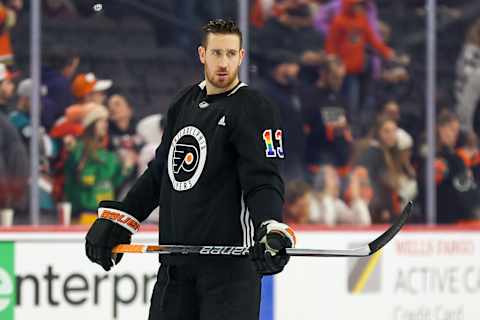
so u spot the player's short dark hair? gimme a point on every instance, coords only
(220, 26)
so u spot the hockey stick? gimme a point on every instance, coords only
(362, 251)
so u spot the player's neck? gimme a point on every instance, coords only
(211, 89)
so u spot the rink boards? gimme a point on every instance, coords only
(423, 274)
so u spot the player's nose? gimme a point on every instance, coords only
(223, 63)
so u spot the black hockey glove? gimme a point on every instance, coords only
(268, 254)
(114, 226)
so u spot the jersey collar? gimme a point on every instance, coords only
(202, 85)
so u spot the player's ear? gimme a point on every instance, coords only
(241, 54)
(201, 54)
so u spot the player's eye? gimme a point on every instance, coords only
(231, 53)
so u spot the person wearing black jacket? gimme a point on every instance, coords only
(328, 133)
(457, 191)
(216, 179)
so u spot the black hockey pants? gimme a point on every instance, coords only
(206, 288)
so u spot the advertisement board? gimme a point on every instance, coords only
(418, 276)
(44, 278)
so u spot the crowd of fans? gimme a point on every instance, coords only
(91, 145)
(353, 157)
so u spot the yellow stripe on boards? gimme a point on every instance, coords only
(365, 275)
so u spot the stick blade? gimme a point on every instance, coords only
(385, 237)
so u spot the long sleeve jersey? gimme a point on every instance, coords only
(216, 174)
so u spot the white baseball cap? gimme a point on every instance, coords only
(24, 88)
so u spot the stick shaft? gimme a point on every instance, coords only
(235, 251)
(362, 251)
(183, 250)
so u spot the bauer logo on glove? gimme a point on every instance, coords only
(122, 218)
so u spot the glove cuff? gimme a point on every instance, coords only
(273, 226)
(119, 217)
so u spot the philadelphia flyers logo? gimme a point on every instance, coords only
(186, 158)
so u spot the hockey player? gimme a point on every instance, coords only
(216, 179)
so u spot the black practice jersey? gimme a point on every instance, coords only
(216, 174)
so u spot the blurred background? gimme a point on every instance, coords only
(380, 105)
(373, 116)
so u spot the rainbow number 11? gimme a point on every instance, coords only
(271, 151)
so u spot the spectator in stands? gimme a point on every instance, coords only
(22, 121)
(298, 202)
(467, 83)
(394, 72)
(407, 180)
(65, 134)
(294, 13)
(389, 80)
(9, 10)
(327, 12)
(329, 141)
(92, 172)
(122, 124)
(20, 118)
(394, 82)
(289, 28)
(467, 150)
(7, 89)
(380, 156)
(150, 129)
(391, 109)
(324, 84)
(260, 12)
(88, 92)
(327, 130)
(358, 186)
(281, 87)
(329, 208)
(347, 39)
(56, 74)
(87, 88)
(14, 169)
(324, 19)
(457, 193)
(122, 133)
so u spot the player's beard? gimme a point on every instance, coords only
(218, 81)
